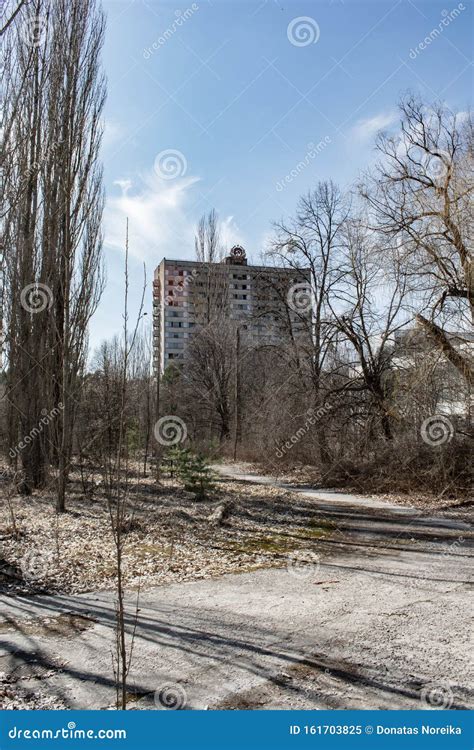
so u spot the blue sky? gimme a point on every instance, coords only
(239, 91)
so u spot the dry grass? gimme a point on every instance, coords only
(169, 537)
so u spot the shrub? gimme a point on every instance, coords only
(192, 470)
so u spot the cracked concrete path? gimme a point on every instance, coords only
(377, 618)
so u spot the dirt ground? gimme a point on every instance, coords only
(169, 537)
(293, 599)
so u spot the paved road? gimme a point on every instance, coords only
(378, 619)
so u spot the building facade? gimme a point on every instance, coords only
(259, 299)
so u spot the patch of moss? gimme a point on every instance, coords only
(278, 544)
(317, 532)
(322, 523)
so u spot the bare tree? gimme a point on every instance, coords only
(421, 198)
(117, 487)
(210, 289)
(54, 204)
(368, 310)
(207, 241)
(209, 367)
(313, 241)
(13, 14)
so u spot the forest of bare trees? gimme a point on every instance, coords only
(360, 377)
(373, 386)
(379, 390)
(52, 237)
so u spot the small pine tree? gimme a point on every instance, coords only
(192, 470)
(197, 476)
(174, 460)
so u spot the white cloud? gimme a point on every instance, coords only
(124, 185)
(158, 224)
(230, 234)
(113, 133)
(367, 129)
(162, 219)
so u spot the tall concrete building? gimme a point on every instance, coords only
(187, 294)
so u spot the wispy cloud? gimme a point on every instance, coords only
(230, 233)
(113, 133)
(156, 210)
(367, 129)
